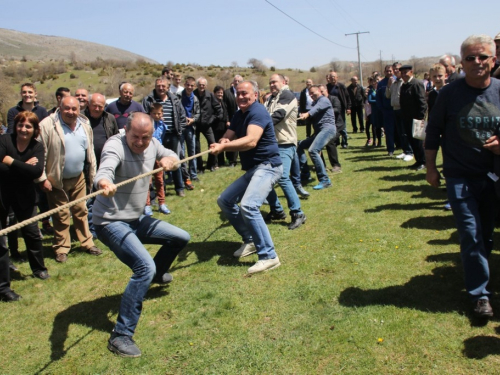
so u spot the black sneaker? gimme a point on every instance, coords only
(166, 278)
(275, 216)
(482, 308)
(10, 296)
(297, 220)
(43, 275)
(123, 345)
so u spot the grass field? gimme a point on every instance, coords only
(371, 284)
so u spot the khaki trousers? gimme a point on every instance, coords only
(73, 189)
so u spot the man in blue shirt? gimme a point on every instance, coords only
(252, 134)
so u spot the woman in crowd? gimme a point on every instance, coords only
(219, 127)
(376, 113)
(21, 162)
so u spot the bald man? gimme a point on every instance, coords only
(122, 108)
(70, 165)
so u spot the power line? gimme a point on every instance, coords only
(304, 26)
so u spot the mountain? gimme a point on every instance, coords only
(17, 45)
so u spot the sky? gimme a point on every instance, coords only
(221, 32)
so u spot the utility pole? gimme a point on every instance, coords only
(359, 59)
(381, 69)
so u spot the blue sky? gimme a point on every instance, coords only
(222, 31)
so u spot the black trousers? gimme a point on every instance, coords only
(209, 136)
(357, 115)
(30, 233)
(416, 145)
(331, 150)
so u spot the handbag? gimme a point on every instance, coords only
(418, 129)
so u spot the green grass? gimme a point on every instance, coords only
(377, 259)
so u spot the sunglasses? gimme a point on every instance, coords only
(482, 58)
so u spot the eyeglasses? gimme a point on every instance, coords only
(482, 58)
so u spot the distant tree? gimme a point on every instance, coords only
(312, 70)
(335, 65)
(257, 65)
(272, 69)
(234, 64)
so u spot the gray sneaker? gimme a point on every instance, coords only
(302, 192)
(166, 278)
(265, 265)
(124, 346)
(245, 250)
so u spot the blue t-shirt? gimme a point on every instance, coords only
(266, 150)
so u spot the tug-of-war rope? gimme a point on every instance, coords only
(34, 219)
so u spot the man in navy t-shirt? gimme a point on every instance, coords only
(465, 122)
(252, 134)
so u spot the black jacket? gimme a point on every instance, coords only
(343, 95)
(38, 110)
(179, 117)
(303, 101)
(357, 99)
(337, 107)
(230, 101)
(412, 99)
(210, 109)
(109, 123)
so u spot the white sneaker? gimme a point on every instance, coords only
(245, 250)
(265, 265)
(408, 158)
(401, 156)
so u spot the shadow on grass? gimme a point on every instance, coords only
(430, 222)
(440, 292)
(425, 191)
(93, 314)
(409, 177)
(479, 347)
(381, 168)
(406, 207)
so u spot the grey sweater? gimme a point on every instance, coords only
(119, 163)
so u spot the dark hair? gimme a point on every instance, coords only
(218, 88)
(156, 106)
(31, 118)
(166, 70)
(60, 90)
(28, 84)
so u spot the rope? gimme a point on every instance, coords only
(34, 219)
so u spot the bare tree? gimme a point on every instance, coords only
(257, 65)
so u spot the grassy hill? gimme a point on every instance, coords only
(18, 45)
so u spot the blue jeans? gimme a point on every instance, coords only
(315, 144)
(474, 205)
(172, 142)
(251, 190)
(188, 138)
(126, 240)
(295, 171)
(388, 125)
(287, 153)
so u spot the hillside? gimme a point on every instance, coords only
(17, 45)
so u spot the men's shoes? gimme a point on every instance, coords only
(124, 346)
(297, 220)
(43, 275)
(401, 155)
(12, 267)
(196, 179)
(390, 154)
(10, 296)
(336, 169)
(164, 209)
(302, 192)
(245, 250)
(344, 146)
(47, 228)
(323, 185)
(181, 193)
(482, 308)
(417, 167)
(281, 215)
(447, 206)
(368, 143)
(148, 211)
(166, 278)
(408, 157)
(265, 265)
(188, 185)
(94, 250)
(61, 258)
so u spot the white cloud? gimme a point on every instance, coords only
(269, 62)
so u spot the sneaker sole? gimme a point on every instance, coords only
(267, 269)
(243, 255)
(111, 348)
